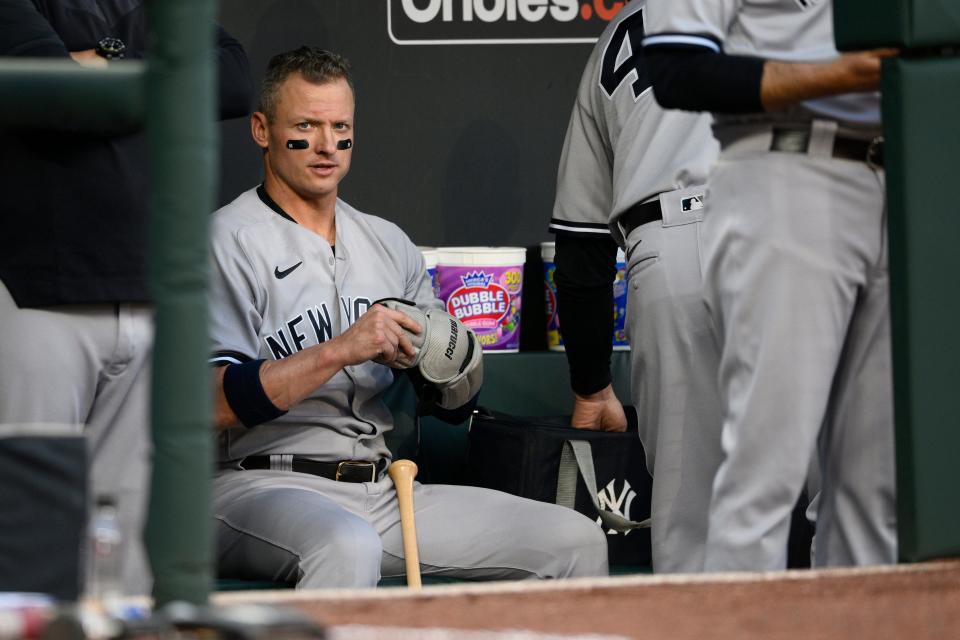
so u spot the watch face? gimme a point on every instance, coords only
(111, 48)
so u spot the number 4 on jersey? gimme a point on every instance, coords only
(626, 38)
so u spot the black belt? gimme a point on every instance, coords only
(341, 471)
(798, 141)
(640, 214)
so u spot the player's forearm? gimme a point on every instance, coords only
(786, 83)
(285, 382)
(703, 80)
(584, 276)
(289, 381)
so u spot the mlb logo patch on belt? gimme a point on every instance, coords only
(693, 203)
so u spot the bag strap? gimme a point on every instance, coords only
(577, 458)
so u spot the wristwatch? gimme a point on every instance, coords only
(111, 48)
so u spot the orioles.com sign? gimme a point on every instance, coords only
(498, 21)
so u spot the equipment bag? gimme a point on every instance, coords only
(602, 475)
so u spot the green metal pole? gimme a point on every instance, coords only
(181, 103)
(60, 94)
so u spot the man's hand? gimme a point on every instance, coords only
(600, 411)
(378, 334)
(860, 70)
(89, 58)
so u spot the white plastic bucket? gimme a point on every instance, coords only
(430, 256)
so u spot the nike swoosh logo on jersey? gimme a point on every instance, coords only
(283, 274)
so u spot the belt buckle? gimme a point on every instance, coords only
(354, 463)
(875, 153)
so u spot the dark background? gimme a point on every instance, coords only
(458, 144)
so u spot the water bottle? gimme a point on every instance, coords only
(105, 558)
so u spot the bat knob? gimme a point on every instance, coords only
(402, 468)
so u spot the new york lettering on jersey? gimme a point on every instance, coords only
(290, 337)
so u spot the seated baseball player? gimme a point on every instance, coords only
(315, 307)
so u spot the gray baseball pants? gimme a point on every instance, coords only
(294, 527)
(796, 279)
(674, 359)
(88, 365)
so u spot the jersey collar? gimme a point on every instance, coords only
(267, 200)
(270, 202)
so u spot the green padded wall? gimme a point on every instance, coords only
(921, 104)
(868, 24)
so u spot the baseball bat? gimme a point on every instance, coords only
(403, 472)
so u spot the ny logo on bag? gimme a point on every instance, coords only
(617, 504)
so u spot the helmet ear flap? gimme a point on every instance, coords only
(464, 388)
(448, 350)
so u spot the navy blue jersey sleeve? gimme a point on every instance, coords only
(693, 73)
(586, 266)
(25, 32)
(236, 85)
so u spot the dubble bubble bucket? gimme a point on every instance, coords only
(481, 286)
(554, 337)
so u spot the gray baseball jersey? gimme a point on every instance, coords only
(276, 290)
(795, 274)
(622, 149)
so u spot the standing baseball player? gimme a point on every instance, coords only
(795, 272)
(632, 174)
(303, 348)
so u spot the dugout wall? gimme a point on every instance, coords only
(921, 103)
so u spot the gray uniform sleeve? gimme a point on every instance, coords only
(584, 178)
(702, 23)
(419, 288)
(585, 251)
(235, 317)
